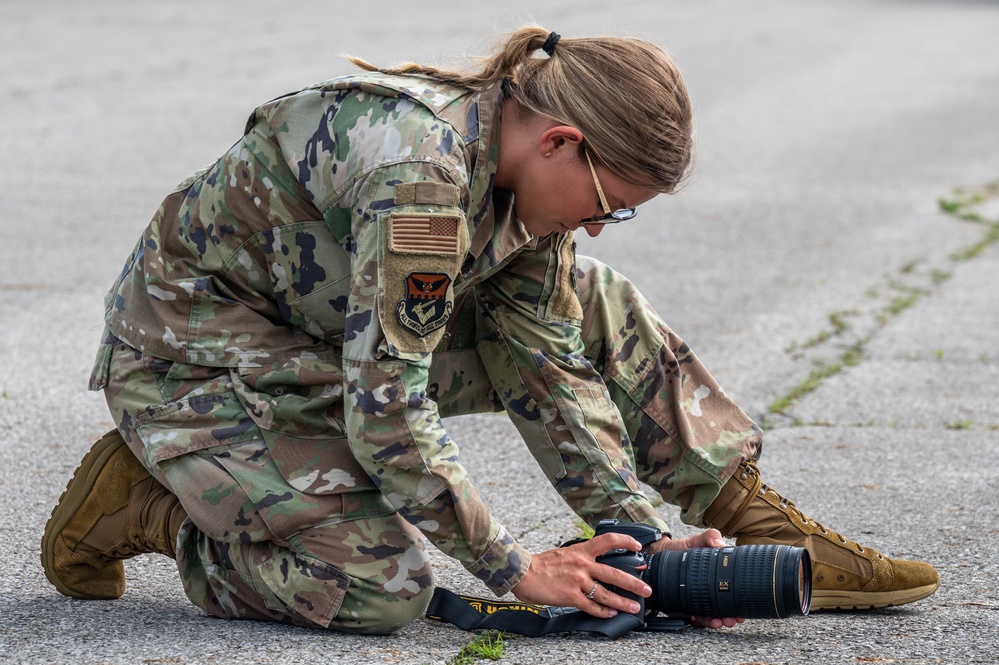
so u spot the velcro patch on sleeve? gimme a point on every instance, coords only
(427, 193)
(424, 233)
(565, 300)
(421, 254)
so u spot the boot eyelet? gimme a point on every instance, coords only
(841, 577)
(820, 577)
(860, 550)
(824, 532)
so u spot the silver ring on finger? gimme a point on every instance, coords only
(593, 591)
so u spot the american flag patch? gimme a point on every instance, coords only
(424, 234)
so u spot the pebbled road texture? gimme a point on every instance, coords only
(808, 261)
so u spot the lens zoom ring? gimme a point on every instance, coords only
(700, 587)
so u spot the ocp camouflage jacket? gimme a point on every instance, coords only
(321, 259)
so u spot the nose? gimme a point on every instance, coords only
(593, 230)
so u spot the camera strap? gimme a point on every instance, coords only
(472, 613)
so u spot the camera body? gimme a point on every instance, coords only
(749, 581)
(633, 563)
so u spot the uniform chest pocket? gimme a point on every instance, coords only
(309, 269)
(324, 311)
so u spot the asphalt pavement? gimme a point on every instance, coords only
(834, 260)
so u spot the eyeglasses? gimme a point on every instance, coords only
(610, 216)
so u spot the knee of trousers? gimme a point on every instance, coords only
(370, 609)
(365, 576)
(391, 580)
(611, 302)
(267, 582)
(621, 331)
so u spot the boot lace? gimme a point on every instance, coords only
(788, 506)
(143, 536)
(135, 542)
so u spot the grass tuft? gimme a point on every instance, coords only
(488, 645)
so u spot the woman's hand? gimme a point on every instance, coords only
(709, 538)
(565, 576)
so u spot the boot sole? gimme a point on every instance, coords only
(858, 600)
(69, 503)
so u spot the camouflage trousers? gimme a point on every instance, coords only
(256, 547)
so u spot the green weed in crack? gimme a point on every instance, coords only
(965, 204)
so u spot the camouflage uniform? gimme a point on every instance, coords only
(296, 320)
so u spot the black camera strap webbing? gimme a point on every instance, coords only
(471, 613)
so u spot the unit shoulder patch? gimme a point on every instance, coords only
(420, 257)
(425, 307)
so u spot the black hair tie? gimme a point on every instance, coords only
(549, 45)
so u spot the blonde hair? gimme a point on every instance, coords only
(625, 95)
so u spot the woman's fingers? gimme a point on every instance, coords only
(605, 598)
(715, 622)
(566, 576)
(706, 538)
(572, 577)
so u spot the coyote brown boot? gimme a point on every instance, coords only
(112, 509)
(844, 574)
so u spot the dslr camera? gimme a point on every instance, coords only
(749, 581)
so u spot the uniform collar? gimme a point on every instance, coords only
(493, 227)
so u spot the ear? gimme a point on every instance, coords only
(558, 137)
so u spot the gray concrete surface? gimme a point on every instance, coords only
(809, 232)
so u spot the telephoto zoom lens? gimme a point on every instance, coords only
(749, 581)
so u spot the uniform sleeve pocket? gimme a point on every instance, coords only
(592, 420)
(528, 405)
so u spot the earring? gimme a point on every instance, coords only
(548, 154)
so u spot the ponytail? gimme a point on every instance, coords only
(625, 95)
